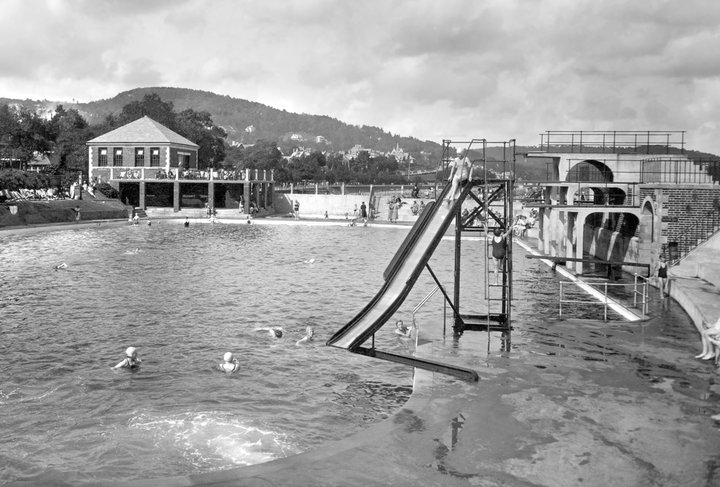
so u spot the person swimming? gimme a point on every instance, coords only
(61, 266)
(131, 360)
(274, 332)
(402, 330)
(230, 365)
(309, 336)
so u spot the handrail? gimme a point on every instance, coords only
(606, 299)
(593, 141)
(424, 300)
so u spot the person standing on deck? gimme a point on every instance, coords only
(662, 276)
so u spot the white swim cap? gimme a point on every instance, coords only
(130, 351)
(228, 357)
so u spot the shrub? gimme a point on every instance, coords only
(107, 190)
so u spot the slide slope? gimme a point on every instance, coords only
(401, 274)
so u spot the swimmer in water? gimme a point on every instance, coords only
(309, 336)
(230, 365)
(61, 266)
(131, 360)
(402, 330)
(274, 332)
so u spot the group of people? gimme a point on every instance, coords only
(394, 204)
(230, 364)
(360, 214)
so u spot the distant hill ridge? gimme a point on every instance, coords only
(261, 121)
(287, 129)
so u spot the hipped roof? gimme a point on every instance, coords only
(144, 131)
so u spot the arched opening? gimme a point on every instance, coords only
(599, 196)
(590, 171)
(647, 223)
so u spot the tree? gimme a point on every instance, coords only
(199, 127)
(23, 134)
(264, 154)
(70, 132)
(151, 106)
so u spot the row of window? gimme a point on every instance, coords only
(117, 157)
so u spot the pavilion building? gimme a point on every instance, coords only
(153, 166)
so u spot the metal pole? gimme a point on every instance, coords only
(444, 316)
(635, 292)
(606, 301)
(456, 291)
(561, 298)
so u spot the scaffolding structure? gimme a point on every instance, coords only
(490, 194)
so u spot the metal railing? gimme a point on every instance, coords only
(669, 170)
(640, 293)
(638, 290)
(592, 141)
(422, 303)
(160, 174)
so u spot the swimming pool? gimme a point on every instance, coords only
(183, 297)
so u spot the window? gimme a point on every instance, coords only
(118, 156)
(184, 159)
(154, 156)
(102, 156)
(139, 156)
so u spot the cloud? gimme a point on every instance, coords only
(498, 69)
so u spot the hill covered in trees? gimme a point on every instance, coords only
(246, 122)
(249, 123)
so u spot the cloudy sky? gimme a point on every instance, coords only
(432, 69)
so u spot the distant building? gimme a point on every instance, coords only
(39, 162)
(152, 166)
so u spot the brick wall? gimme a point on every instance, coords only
(683, 212)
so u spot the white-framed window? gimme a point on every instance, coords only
(117, 156)
(139, 156)
(155, 156)
(102, 156)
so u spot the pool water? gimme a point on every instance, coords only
(185, 296)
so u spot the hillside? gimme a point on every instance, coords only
(246, 122)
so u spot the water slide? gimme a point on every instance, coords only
(401, 273)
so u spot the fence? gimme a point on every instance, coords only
(642, 142)
(610, 295)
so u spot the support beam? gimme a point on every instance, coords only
(455, 371)
(141, 203)
(176, 196)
